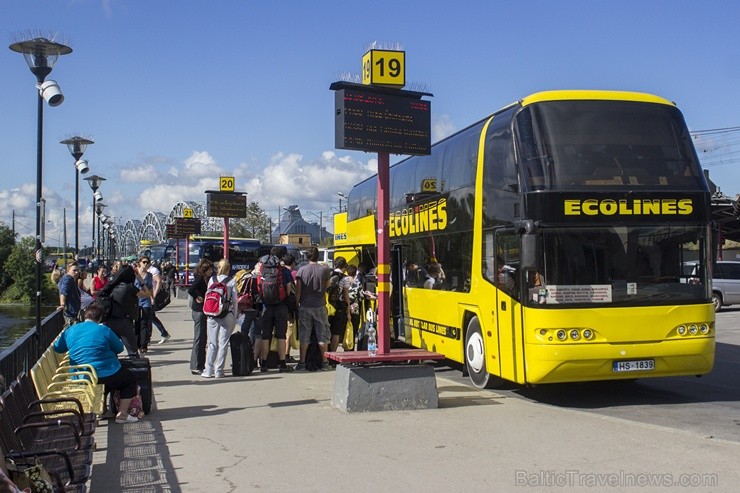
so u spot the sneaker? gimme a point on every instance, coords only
(326, 367)
(220, 375)
(206, 375)
(127, 419)
(285, 369)
(196, 372)
(164, 339)
(300, 367)
(263, 369)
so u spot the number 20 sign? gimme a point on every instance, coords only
(226, 184)
(384, 67)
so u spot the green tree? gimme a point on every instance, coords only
(21, 269)
(7, 241)
(255, 225)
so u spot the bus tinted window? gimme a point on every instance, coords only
(581, 144)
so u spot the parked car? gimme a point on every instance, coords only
(725, 282)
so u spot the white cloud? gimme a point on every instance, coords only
(201, 164)
(139, 174)
(442, 127)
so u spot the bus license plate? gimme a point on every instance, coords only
(638, 365)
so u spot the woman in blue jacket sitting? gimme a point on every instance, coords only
(95, 344)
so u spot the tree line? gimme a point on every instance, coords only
(17, 270)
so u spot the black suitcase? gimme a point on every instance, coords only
(242, 354)
(141, 368)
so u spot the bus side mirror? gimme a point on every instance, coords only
(529, 258)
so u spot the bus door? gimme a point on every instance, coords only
(508, 312)
(397, 292)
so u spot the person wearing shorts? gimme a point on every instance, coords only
(311, 282)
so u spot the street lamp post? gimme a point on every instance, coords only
(342, 196)
(101, 217)
(77, 146)
(95, 181)
(320, 215)
(41, 54)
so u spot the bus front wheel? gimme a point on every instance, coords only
(475, 357)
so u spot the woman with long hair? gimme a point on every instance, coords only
(197, 293)
(220, 328)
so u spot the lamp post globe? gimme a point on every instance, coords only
(41, 55)
(77, 146)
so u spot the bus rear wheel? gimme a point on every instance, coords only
(475, 357)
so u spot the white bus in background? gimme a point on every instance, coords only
(326, 256)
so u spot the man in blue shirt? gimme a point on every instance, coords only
(69, 294)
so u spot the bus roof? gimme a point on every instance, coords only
(593, 95)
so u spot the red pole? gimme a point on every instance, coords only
(186, 282)
(226, 238)
(384, 254)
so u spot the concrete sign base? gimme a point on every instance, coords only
(384, 388)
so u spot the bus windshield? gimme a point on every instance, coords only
(619, 266)
(576, 145)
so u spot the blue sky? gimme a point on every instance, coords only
(176, 93)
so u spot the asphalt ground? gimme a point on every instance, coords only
(279, 432)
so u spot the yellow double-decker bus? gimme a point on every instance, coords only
(545, 243)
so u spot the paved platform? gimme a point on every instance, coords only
(279, 432)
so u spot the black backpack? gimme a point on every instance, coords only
(124, 302)
(334, 291)
(313, 354)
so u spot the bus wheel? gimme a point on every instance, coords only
(475, 357)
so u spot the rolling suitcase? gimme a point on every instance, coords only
(141, 368)
(242, 354)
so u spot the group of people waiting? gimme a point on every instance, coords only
(95, 335)
(303, 308)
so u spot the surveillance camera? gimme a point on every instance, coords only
(98, 196)
(82, 166)
(50, 91)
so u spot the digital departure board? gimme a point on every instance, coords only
(184, 226)
(226, 204)
(377, 121)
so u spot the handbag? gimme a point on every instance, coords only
(293, 339)
(349, 337)
(330, 310)
(162, 299)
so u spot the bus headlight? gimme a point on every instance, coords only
(561, 335)
(704, 328)
(587, 334)
(693, 329)
(575, 335)
(681, 330)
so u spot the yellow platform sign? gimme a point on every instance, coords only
(384, 67)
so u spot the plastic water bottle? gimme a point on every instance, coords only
(372, 341)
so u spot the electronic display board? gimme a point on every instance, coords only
(375, 121)
(226, 204)
(186, 226)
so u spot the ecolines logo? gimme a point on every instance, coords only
(430, 216)
(636, 207)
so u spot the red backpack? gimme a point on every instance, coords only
(217, 302)
(270, 283)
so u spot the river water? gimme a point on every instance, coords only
(16, 320)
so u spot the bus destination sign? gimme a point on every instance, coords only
(377, 121)
(226, 204)
(185, 226)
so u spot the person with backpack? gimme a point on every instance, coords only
(220, 306)
(145, 282)
(197, 293)
(338, 294)
(274, 285)
(311, 281)
(120, 300)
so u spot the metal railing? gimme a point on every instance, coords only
(26, 351)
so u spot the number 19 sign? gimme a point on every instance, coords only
(384, 67)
